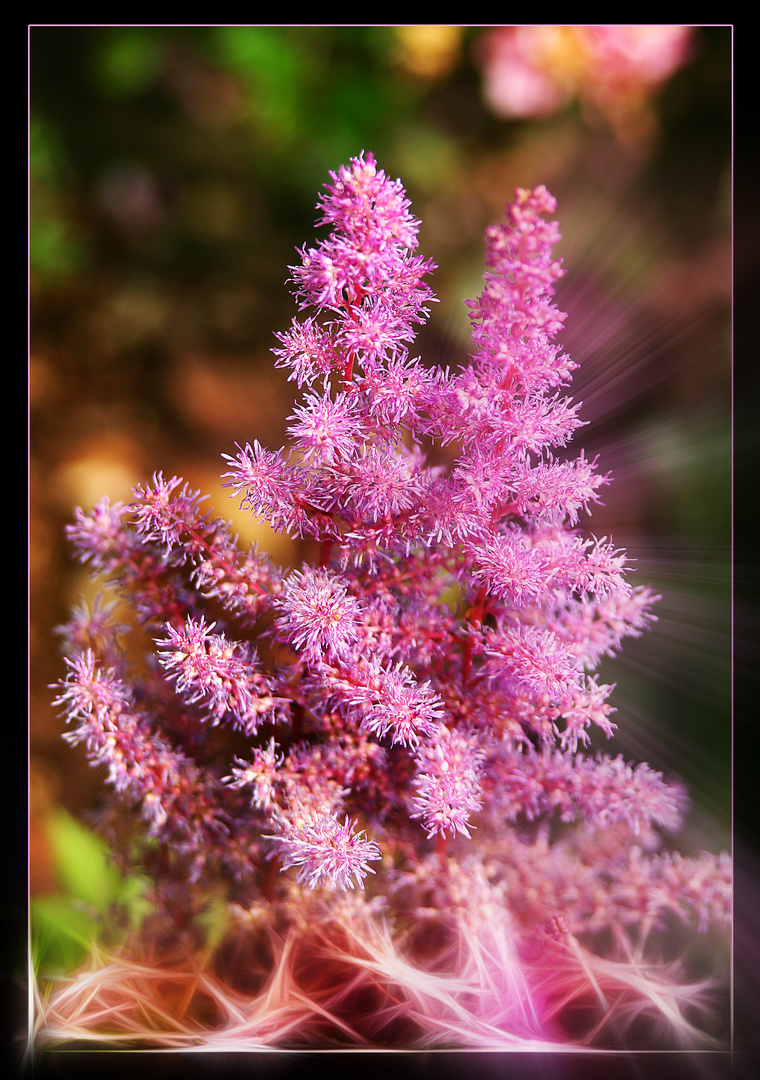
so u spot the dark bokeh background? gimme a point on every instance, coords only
(173, 171)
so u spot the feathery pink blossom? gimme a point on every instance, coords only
(325, 850)
(317, 614)
(421, 694)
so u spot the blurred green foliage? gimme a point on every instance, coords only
(55, 252)
(95, 903)
(266, 107)
(127, 62)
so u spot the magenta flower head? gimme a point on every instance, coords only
(381, 761)
(317, 615)
(363, 279)
(326, 851)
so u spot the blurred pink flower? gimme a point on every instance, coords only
(533, 71)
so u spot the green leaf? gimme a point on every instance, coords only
(82, 862)
(132, 896)
(62, 933)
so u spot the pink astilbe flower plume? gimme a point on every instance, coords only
(383, 762)
(325, 850)
(447, 784)
(221, 674)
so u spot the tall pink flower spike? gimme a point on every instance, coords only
(380, 758)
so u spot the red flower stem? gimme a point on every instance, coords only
(325, 552)
(474, 617)
(270, 877)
